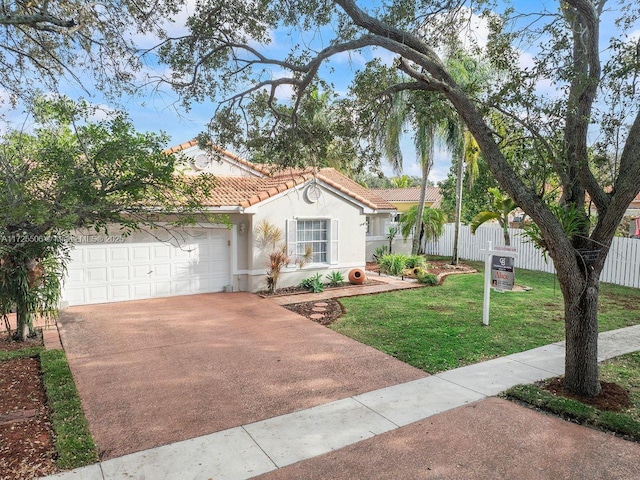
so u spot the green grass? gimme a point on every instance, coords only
(624, 371)
(74, 444)
(440, 328)
(22, 353)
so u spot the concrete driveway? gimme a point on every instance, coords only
(157, 371)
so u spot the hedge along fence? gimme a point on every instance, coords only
(622, 266)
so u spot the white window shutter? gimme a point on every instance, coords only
(292, 240)
(334, 242)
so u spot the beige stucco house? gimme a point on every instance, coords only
(317, 209)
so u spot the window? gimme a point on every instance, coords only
(312, 234)
(321, 237)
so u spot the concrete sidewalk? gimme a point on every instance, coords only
(386, 417)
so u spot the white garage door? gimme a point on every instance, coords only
(111, 269)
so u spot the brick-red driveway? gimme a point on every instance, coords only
(152, 372)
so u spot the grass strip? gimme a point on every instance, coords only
(623, 371)
(74, 443)
(618, 422)
(22, 353)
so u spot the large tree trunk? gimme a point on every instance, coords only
(581, 331)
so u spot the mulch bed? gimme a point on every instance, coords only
(26, 436)
(440, 268)
(294, 290)
(613, 397)
(334, 310)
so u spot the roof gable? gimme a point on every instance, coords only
(255, 183)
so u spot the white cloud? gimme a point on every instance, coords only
(475, 32)
(385, 56)
(174, 27)
(353, 59)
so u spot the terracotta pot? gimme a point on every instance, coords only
(357, 276)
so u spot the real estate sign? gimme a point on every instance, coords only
(502, 272)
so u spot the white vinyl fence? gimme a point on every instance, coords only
(622, 266)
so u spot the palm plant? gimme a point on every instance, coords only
(463, 147)
(403, 181)
(420, 110)
(502, 206)
(432, 225)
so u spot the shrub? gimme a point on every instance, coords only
(427, 278)
(335, 279)
(379, 253)
(313, 284)
(277, 260)
(393, 264)
(316, 285)
(414, 261)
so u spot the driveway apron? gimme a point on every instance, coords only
(151, 372)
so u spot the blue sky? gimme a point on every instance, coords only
(161, 111)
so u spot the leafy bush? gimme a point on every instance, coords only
(427, 278)
(335, 279)
(414, 261)
(306, 283)
(277, 260)
(393, 264)
(313, 284)
(316, 285)
(380, 252)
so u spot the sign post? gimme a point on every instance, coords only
(498, 273)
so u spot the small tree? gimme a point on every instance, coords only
(69, 174)
(433, 221)
(391, 234)
(501, 208)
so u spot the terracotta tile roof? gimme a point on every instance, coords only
(408, 194)
(260, 168)
(248, 191)
(354, 189)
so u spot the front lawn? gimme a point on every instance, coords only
(440, 328)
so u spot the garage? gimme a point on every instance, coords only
(146, 264)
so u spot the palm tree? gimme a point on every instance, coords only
(469, 73)
(403, 181)
(465, 154)
(502, 206)
(432, 224)
(421, 111)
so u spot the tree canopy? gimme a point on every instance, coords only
(93, 45)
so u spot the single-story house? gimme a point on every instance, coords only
(320, 209)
